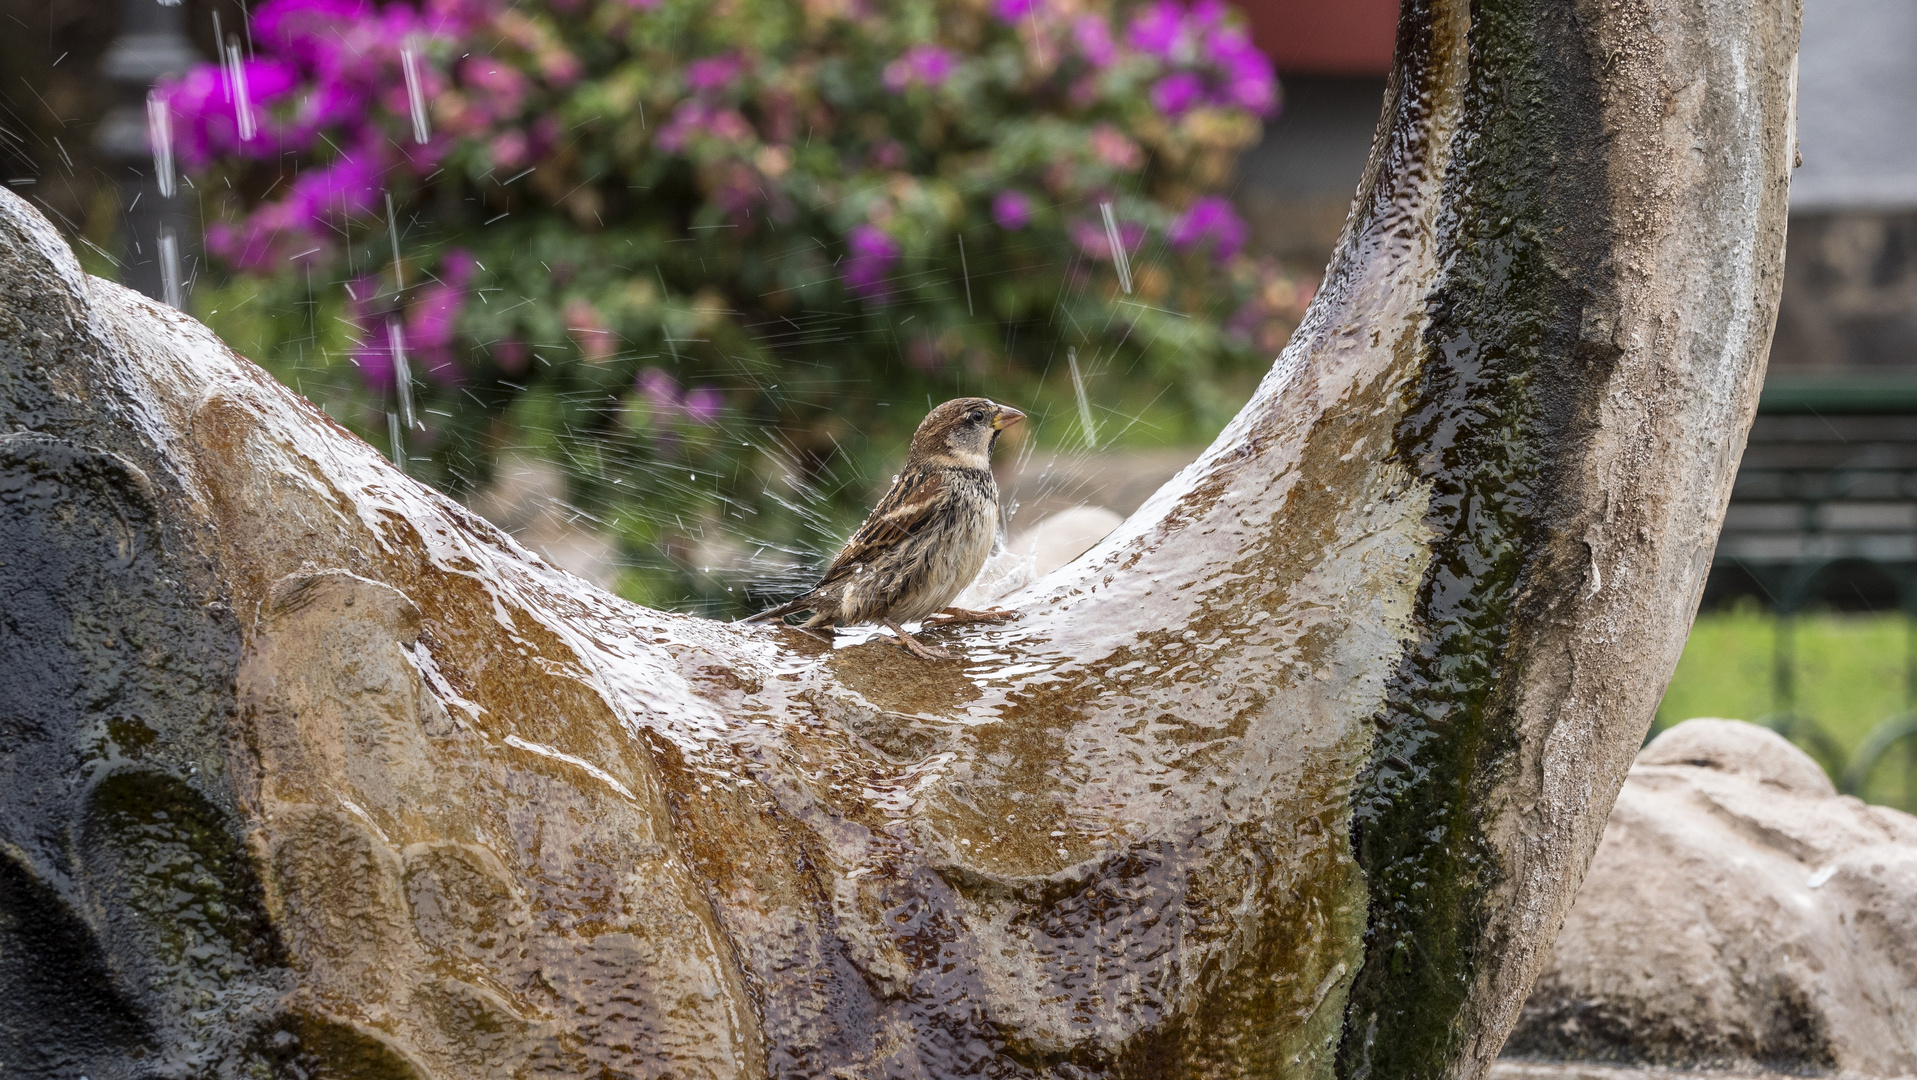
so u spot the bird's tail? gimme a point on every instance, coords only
(803, 603)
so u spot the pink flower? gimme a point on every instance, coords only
(1110, 146)
(496, 84)
(702, 404)
(871, 256)
(1091, 239)
(434, 314)
(659, 388)
(509, 149)
(1247, 74)
(372, 354)
(597, 343)
(1209, 219)
(1012, 210)
(695, 119)
(1160, 30)
(714, 72)
(921, 65)
(511, 355)
(1014, 10)
(301, 30)
(1094, 38)
(1176, 93)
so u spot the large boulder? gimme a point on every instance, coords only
(1739, 913)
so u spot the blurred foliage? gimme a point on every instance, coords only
(1849, 676)
(716, 259)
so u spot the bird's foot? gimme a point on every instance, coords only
(915, 646)
(951, 615)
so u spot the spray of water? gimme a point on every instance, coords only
(409, 61)
(1084, 403)
(402, 372)
(242, 97)
(170, 268)
(159, 133)
(1120, 257)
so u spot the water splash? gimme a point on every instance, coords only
(1121, 259)
(159, 134)
(170, 268)
(1084, 403)
(402, 372)
(409, 62)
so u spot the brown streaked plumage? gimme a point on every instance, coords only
(927, 537)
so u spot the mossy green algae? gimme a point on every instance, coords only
(1498, 415)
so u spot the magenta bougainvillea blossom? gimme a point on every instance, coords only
(1208, 219)
(872, 255)
(1219, 64)
(1012, 210)
(921, 65)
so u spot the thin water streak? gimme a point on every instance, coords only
(170, 268)
(402, 372)
(392, 229)
(396, 441)
(1084, 403)
(241, 96)
(967, 271)
(415, 90)
(1121, 259)
(159, 134)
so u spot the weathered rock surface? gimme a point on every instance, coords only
(308, 771)
(1739, 914)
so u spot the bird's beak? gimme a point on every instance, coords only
(1007, 416)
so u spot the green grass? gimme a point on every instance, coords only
(1848, 675)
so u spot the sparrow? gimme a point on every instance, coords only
(926, 539)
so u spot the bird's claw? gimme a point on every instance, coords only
(914, 645)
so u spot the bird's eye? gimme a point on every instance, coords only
(976, 417)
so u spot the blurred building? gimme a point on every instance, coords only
(1825, 506)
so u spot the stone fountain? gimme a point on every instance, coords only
(307, 771)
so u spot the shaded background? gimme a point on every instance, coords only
(1807, 621)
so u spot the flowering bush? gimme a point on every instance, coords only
(720, 239)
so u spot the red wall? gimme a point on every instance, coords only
(1325, 37)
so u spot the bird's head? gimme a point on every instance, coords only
(963, 430)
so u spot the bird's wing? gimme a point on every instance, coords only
(910, 506)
